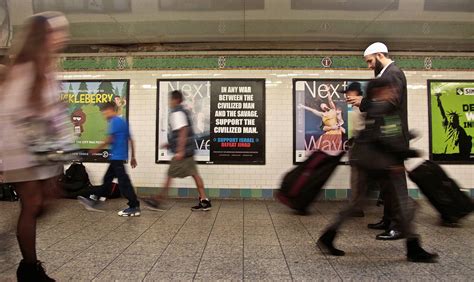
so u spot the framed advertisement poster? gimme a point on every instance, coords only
(322, 118)
(84, 99)
(451, 121)
(228, 117)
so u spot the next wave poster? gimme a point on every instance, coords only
(323, 120)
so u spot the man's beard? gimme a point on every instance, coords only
(378, 67)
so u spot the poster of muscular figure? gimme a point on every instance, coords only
(451, 108)
(84, 99)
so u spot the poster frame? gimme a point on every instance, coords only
(430, 129)
(157, 129)
(94, 160)
(294, 80)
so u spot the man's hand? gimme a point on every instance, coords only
(133, 162)
(178, 156)
(354, 100)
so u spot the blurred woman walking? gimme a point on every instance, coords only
(31, 119)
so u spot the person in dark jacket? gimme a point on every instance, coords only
(379, 152)
(358, 180)
(377, 58)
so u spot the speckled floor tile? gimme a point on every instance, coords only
(237, 240)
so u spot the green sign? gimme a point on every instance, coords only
(451, 106)
(84, 98)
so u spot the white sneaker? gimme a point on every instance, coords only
(90, 204)
(129, 212)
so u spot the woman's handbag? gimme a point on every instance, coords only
(50, 137)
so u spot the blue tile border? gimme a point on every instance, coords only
(267, 193)
(183, 192)
(227, 193)
(224, 193)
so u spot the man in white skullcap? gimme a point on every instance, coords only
(398, 214)
(376, 56)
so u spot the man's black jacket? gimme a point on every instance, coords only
(394, 76)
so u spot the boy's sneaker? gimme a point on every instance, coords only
(89, 204)
(204, 205)
(153, 204)
(130, 212)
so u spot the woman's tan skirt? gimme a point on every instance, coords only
(32, 173)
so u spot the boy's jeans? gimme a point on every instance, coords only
(117, 170)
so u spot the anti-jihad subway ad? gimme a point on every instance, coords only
(228, 119)
(451, 121)
(84, 99)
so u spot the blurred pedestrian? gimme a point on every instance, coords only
(181, 143)
(30, 113)
(118, 137)
(379, 152)
(358, 178)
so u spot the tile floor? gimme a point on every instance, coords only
(238, 240)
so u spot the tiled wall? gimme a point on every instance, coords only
(255, 181)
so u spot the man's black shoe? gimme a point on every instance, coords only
(381, 225)
(325, 243)
(390, 235)
(415, 253)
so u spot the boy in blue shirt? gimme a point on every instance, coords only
(118, 138)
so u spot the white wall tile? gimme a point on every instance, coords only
(279, 126)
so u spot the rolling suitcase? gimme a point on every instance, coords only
(442, 191)
(302, 184)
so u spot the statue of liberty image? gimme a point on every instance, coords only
(457, 136)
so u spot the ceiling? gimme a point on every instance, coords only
(344, 25)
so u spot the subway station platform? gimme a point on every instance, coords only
(238, 240)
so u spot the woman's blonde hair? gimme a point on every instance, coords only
(32, 47)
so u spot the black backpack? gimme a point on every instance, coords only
(75, 181)
(77, 173)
